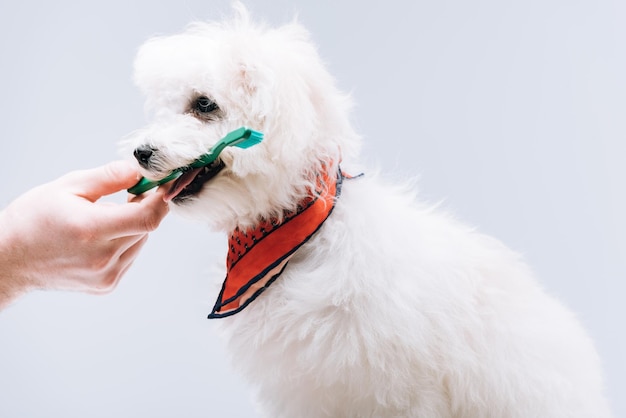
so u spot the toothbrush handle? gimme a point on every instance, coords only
(144, 184)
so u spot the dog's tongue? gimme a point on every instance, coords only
(180, 183)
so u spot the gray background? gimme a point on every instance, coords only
(513, 113)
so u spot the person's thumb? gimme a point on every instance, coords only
(110, 178)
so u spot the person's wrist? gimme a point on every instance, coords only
(6, 283)
(12, 282)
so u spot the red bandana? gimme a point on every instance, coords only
(257, 257)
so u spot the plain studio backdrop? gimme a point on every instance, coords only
(511, 113)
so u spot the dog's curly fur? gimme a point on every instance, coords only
(392, 309)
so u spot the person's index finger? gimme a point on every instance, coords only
(110, 178)
(132, 218)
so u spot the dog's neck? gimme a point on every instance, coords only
(257, 256)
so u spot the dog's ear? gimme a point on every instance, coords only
(252, 84)
(247, 78)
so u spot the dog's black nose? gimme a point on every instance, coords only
(143, 154)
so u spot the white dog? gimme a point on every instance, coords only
(346, 297)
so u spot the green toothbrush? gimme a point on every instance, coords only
(240, 138)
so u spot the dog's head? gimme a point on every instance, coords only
(216, 77)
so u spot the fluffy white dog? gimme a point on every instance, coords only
(346, 297)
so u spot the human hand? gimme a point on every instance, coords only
(58, 236)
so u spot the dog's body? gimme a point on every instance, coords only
(391, 309)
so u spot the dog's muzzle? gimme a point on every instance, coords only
(186, 185)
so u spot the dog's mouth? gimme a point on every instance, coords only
(191, 182)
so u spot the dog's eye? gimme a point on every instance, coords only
(205, 105)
